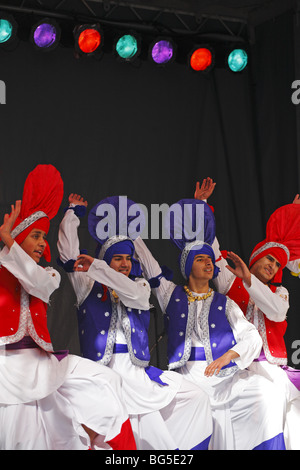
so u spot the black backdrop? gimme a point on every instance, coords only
(150, 134)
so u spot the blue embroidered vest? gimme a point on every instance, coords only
(97, 321)
(180, 322)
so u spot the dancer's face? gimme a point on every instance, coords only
(34, 244)
(121, 263)
(265, 268)
(202, 267)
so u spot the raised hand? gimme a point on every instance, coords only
(83, 263)
(241, 269)
(296, 199)
(206, 189)
(8, 223)
(77, 200)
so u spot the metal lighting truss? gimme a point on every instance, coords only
(223, 20)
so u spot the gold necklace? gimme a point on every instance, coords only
(191, 297)
(116, 297)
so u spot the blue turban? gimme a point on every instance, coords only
(192, 229)
(188, 255)
(116, 240)
(120, 245)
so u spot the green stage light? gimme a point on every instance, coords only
(237, 60)
(6, 30)
(127, 46)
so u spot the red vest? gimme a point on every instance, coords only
(273, 332)
(10, 326)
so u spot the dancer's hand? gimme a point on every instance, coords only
(206, 189)
(8, 223)
(83, 263)
(214, 367)
(77, 200)
(296, 199)
(240, 270)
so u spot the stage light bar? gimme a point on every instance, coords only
(162, 51)
(237, 60)
(88, 39)
(127, 47)
(8, 28)
(201, 59)
(45, 35)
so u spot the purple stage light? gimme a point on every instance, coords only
(45, 35)
(162, 51)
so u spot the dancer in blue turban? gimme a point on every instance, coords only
(209, 340)
(166, 411)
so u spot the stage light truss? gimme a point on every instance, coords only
(129, 32)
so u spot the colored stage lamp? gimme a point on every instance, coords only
(162, 51)
(5, 30)
(45, 35)
(237, 60)
(8, 28)
(88, 39)
(127, 47)
(201, 59)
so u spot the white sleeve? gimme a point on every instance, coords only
(68, 242)
(68, 248)
(36, 280)
(249, 342)
(225, 278)
(273, 304)
(133, 294)
(151, 268)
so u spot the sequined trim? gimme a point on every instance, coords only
(270, 245)
(261, 328)
(27, 222)
(111, 335)
(110, 242)
(167, 295)
(127, 332)
(204, 325)
(26, 326)
(192, 313)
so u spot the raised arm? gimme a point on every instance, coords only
(273, 304)
(69, 247)
(151, 268)
(8, 223)
(36, 280)
(133, 294)
(68, 242)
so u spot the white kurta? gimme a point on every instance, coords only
(43, 401)
(237, 399)
(275, 306)
(147, 402)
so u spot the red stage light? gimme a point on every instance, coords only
(201, 59)
(89, 40)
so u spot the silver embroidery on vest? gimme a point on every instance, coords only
(111, 335)
(127, 332)
(261, 328)
(26, 325)
(204, 325)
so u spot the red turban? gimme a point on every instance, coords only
(282, 238)
(42, 197)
